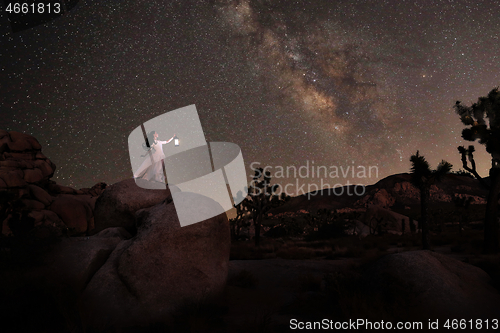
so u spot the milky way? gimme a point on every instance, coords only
(334, 82)
(331, 80)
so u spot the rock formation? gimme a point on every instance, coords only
(25, 174)
(121, 280)
(425, 284)
(124, 281)
(163, 267)
(117, 205)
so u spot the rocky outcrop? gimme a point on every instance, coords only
(407, 193)
(403, 192)
(424, 284)
(162, 267)
(124, 281)
(474, 199)
(25, 186)
(21, 161)
(119, 279)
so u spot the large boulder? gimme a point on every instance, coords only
(49, 288)
(41, 195)
(76, 214)
(163, 267)
(424, 284)
(86, 198)
(74, 260)
(118, 203)
(47, 218)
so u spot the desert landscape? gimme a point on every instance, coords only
(394, 105)
(113, 258)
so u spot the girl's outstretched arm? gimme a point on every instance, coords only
(171, 139)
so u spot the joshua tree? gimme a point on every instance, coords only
(237, 222)
(488, 135)
(423, 177)
(261, 198)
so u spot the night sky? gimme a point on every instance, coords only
(334, 82)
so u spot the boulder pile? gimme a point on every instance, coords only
(129, 261)
(25, 187)
(114, 280)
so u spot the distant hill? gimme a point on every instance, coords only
(394, 190)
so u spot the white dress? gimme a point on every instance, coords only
(151, 168)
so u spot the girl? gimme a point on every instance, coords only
(152, 168)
